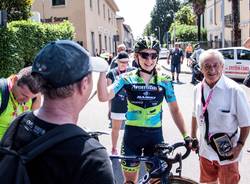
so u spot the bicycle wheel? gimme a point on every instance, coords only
(177, 180)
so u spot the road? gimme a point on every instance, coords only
(94, 117)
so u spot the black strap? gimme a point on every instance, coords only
(50, 139)
(4, 95)
(205, 116)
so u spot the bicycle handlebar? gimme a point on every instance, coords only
(161, 151)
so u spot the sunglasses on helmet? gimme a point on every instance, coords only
(146, 55)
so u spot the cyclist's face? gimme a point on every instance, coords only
(212, 69)
(147, 59)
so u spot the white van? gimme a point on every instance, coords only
(237, 61)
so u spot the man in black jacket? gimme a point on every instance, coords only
(64, 72)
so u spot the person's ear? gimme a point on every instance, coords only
(14, 79)
(83, 84)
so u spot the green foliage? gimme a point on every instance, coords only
(21, 41)
(185, 33)
(198, 6)
(185, 15)
(162, 16)
(147, 30)
(16, 9)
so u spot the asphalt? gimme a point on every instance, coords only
(184, 67)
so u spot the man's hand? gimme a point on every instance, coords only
(192, 143)
(235, 151)
(195, 145)
(168, 61)
(188, 141)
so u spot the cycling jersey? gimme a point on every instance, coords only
(145, 100)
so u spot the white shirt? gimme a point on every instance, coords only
(228, 109)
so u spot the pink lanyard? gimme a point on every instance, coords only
(204, 107)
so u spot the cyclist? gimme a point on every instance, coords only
(146, 88)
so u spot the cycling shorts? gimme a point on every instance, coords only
(138, 141)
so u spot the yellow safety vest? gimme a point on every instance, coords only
(12, 110)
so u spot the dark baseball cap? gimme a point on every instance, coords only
(65, 62)
(122, 55)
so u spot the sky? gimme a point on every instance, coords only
(136, 13)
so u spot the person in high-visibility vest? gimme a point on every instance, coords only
(21, 90)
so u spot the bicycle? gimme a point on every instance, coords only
(161, 163)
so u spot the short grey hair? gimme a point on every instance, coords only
(211, 53)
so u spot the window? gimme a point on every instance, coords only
(228, 54)
(108, 15)
(98, 6)
(58, 2)
(221, 12)
(93, 43)
(100, 42)
(243, 54)
(104, 11)
(105, 41)
(211, 16)
(90, 4)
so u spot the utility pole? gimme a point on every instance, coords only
(223, 24)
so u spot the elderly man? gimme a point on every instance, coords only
(222, 115)
(64, 72)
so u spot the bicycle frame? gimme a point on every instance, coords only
(162, 164)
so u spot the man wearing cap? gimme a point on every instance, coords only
(120, 48)
(63, 69)
(118, 105)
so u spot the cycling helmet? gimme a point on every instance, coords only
(147, 43)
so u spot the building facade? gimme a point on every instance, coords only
(219, 23)
(94, 20)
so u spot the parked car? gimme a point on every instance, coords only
(237, 61)
(163, 53)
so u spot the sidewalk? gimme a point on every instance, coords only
(184, 68)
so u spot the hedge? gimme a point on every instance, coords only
(21, 40)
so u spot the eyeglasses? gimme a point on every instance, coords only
(146, 55)
(209, 67)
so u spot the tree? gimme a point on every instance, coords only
(199, 8)
(162, 17)
(236, 21)
(183, 28)
(16, 9)
(185, 15)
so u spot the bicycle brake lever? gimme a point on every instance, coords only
(178, 158)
